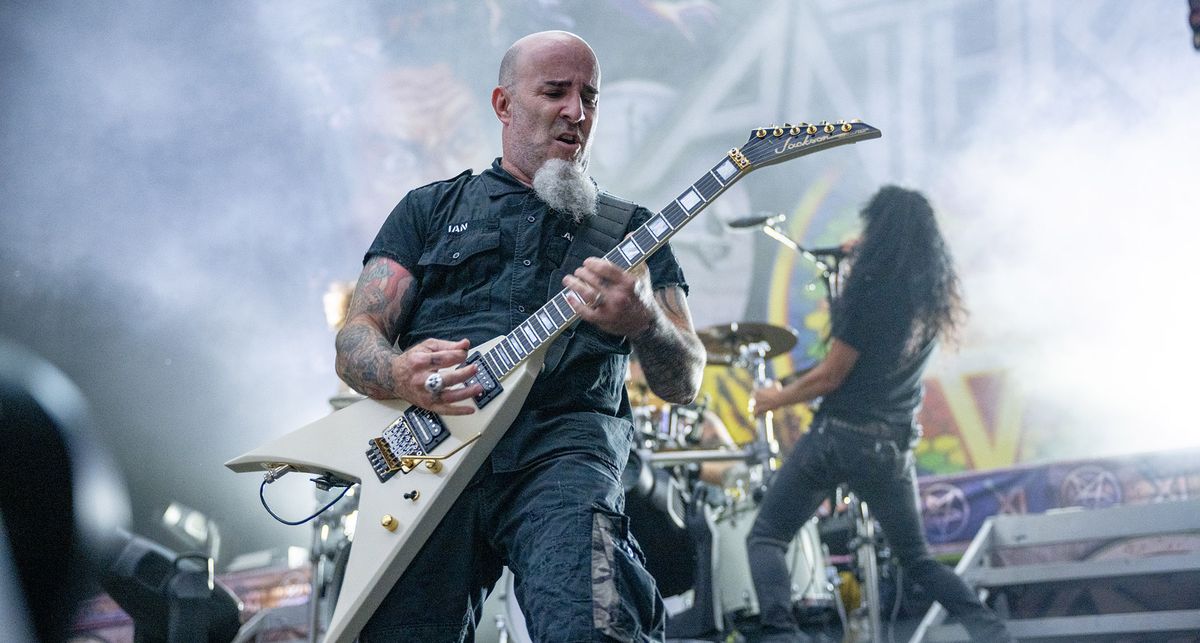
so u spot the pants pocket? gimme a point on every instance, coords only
(626, 605)
(881, 459)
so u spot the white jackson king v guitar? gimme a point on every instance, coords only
(436, 456)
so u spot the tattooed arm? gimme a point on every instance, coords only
(657, 322)
(669, 350)
(366, 359)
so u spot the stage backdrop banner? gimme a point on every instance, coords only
(955, 506)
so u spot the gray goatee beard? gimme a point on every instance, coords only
(566, 189)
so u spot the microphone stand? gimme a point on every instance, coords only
(828, 266)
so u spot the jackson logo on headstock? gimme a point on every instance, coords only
(789, 145)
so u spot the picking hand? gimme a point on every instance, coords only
(416, 366)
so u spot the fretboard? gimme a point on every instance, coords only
(551, 319)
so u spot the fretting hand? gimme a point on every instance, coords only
(613, 300)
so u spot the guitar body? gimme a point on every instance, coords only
(337, 445)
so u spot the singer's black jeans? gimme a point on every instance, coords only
(880, 472)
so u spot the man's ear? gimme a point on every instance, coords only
(501, 104)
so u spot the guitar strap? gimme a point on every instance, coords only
(597, 235)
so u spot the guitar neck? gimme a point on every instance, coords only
(549, 321)
(765, 146)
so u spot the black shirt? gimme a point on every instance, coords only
(885, 383)
(482, 250)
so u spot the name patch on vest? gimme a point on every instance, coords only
(458, 227)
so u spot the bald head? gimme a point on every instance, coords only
(519, 52)
(546, 100)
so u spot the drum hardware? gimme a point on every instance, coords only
(835, 583)
(869, 565)
(333, 533)
(749, 345)
(687, 422)
(696, 456)
(668, 426)
(765, 444)
(851, 533)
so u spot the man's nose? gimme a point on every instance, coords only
(572, 108)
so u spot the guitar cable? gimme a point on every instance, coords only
(326, 481)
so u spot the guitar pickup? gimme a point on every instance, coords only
(415, 433)
(485, 378)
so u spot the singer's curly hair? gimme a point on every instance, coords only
(902, 249)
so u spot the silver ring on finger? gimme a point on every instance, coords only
(598, 299)
(434, 384)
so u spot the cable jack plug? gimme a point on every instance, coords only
(276, 472)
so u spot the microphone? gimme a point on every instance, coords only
(835, 252)
(755, 221)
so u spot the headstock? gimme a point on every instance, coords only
(778, 143)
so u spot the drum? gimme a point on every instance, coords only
(667, 426)
(811, 590)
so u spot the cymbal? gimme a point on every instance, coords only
(724, 341)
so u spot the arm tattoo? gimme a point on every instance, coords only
(365, 343)
(671, 300)
(670, 353)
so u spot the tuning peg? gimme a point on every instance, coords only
(761, 133)
(778, 131)
(828, 128)
(846, 127)
(812, 129)
(795, 131)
